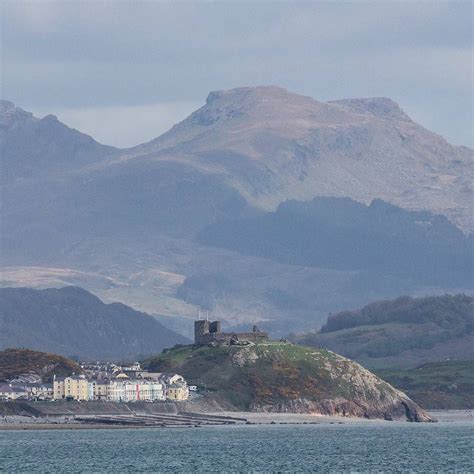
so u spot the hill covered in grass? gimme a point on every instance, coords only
(14, 362)
(437, 385)
(282, 377)
(402, 333)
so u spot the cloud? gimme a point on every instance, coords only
(90, 54)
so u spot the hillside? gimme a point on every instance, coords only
(273, 145)
(405, 332)
(33, 148)
(72, 322)
(282, 377)
(437, 385)
(122, 223)
(382, 241)
(14, 362)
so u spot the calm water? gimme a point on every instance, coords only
(357, 448)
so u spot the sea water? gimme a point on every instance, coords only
(378, 447)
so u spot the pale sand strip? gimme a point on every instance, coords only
(253, 418)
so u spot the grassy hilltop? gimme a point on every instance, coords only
(282, 377)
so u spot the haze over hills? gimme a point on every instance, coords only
(72, 322)
(123, 223)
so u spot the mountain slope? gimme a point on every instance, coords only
(380, 240)
(405, 332)
(124, 221)
(281, 377)
(33, 148)
(274, 145)
(70, 321)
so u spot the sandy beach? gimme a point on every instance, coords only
(69, 422)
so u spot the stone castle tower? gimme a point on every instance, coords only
(206, 332)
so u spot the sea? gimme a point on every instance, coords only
(378, 447)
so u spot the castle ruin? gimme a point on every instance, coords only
(207, 332)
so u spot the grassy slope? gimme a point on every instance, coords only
(441, 385)
(270, 372)
(405, 332)
(14, 362)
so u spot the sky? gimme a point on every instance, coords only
(126, 71)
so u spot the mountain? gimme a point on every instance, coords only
(273, 145)
(402, 333)
(381, 241)
(15, 362)
(71, 321)
(123, 223)
(282, 377)
(33, 148)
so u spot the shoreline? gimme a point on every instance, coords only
(25, 423)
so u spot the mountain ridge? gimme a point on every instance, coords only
(73, 322)
(120, 219)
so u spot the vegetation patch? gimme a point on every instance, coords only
(14, 362)
(440, 385)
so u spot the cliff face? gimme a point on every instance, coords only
(284, 378)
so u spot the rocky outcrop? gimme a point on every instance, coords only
(370, 397)
(401, 408)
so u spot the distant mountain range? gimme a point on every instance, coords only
(381, 240)
(403, 333)
(141, 225)
(72, 322)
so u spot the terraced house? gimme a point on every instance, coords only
(71, 388)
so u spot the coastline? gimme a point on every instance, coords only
(19, 423)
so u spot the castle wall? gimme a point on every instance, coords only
(215, 327)
(206, 332)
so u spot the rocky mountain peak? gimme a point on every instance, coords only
(381, 107)
(249, 93)
(10, 114)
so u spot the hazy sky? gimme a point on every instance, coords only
(125, 71)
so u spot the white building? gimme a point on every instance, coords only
(135, 390)
(12, 392)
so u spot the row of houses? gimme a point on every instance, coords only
(26, 391)
(79, 388)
